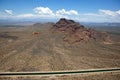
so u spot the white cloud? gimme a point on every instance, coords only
(109, 12)
(43, 11)
(64, 12)
(35, 16)
(91, 14)
(46, 13)
(118, 12)
(10, 12)
(29, 15)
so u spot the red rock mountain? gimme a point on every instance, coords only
(78, 33)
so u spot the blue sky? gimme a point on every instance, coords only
(81, 10)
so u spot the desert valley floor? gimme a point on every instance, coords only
(22, 50)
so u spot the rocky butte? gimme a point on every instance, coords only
(76, 33)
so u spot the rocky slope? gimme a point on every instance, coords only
(76, 32)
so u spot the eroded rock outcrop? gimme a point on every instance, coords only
(78, 33)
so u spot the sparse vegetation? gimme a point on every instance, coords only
(48, 52)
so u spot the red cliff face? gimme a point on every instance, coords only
(77, 32)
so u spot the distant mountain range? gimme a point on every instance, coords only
(25, 22)
(106, 24)
(29, 22)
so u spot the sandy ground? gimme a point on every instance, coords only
(20, 50)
